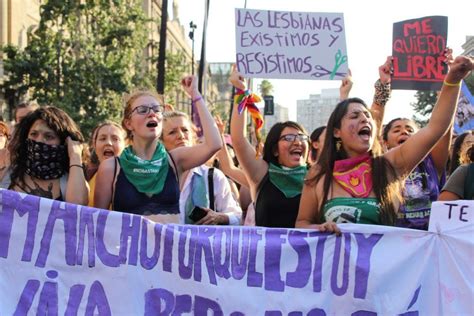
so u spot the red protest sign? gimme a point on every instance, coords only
(418, 53)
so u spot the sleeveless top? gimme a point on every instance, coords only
(420, 189)
(273, 208)
(164, 206)
(351, 210)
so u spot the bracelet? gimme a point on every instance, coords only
(74, 165)
(449, 84)
(382, 92)
(197, 99)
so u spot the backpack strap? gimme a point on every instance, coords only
(469, 183)
(210, 181)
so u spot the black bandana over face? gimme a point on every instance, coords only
(45, 161)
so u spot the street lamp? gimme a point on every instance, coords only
(192, 26)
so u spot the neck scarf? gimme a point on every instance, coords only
(288, 180)
(45, 162)
(354, 175)
(198, 195)
(148, 176)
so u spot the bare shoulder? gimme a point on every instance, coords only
(107, 167)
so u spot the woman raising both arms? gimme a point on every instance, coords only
(354, 182)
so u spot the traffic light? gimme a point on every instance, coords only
(269, 105)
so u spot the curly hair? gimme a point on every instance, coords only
(56, 119)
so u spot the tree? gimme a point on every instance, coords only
(82, 57)
(427, 99)
(266, 88)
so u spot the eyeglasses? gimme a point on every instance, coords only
(146, 108)
(292, 137)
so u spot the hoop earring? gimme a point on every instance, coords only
(338, 145)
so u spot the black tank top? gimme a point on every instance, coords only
(128, 199)
(273, 208)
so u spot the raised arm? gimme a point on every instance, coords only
(409, 154)
(382, 94)
(346, 86)
(190, 157)
(255, 169)
(77, 189)
(440, 152)
(226, 163)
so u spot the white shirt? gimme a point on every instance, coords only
(223, 199)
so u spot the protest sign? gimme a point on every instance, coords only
(62, 259)
(418, 53)
(290, 45)
(464, 120)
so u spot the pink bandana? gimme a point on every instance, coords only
(354, 175)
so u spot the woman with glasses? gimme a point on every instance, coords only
(144, 179)
(276, 179)
(353, 181)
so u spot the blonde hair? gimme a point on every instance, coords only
(173, 114)
(128, 100)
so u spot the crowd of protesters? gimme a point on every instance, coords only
(352, 170)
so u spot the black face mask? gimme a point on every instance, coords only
(45, 161)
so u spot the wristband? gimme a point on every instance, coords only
(74, 165)
(382, 92)
(197, 99)
(449, 84)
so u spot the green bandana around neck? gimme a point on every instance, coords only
(148, 176)
(288, 180)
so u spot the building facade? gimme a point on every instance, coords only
(19, 17)
(315, 111)
(468, 46)
(280, 115)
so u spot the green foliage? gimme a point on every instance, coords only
(266, 87)
(82, 57)
(427, 99)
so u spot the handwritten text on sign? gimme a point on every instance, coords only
(290, 45)
(59, 258)
(418, 53)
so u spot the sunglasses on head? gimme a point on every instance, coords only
(293, 137)
(146, 108)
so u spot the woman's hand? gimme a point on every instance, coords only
(190, 85)
(220, 124)
(74, 149)
(213, 218)
(329, 227)
(236, 79)
(459, 69)
(346, 86)
(385, 71)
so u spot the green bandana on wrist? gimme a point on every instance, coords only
(288, 180)
(148, 176)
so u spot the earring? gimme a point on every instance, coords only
(338, 145)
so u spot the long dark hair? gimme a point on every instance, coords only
(314, 138)
(385, 186)
(456, 151)
(56, 119)
(273, 137)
